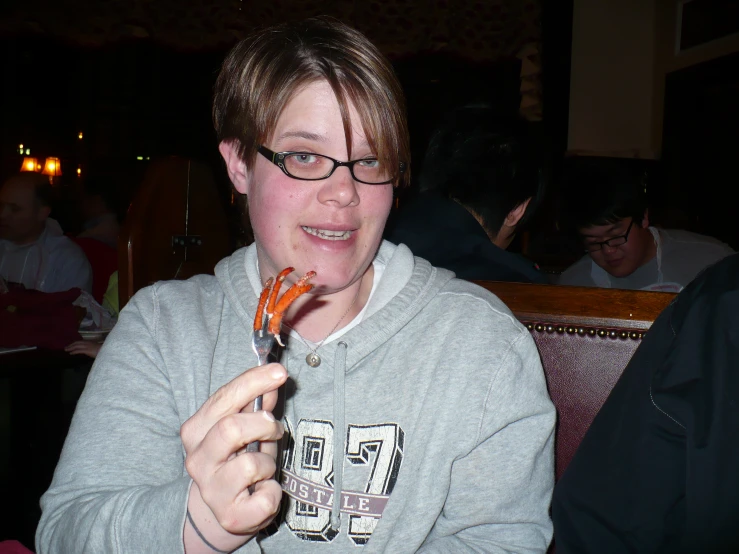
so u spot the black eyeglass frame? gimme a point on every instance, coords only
(278, 158)
(589, 247)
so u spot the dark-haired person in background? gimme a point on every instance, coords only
(605, 202)
(33, 250)
(98, 208)
(479, 185)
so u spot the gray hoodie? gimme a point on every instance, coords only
(52, 263)
(431, 417)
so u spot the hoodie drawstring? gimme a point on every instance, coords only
(23, 271)
(37, 282)
(339, 431)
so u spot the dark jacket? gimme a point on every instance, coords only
(444, 233)
(658, 470)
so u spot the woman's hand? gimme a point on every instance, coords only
(86, 347)
(233, 495)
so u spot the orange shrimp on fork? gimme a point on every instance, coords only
(268, 319)
(270, 310)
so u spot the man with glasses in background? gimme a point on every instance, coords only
(606, 203)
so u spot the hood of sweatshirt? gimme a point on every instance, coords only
(51, 230)
(407, 285)
(26, 263)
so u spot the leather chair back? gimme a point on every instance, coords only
(585, 336)
(175, 228)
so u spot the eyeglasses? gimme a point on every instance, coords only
(612, 242)
(307, 166)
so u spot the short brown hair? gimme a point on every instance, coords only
(262, 73)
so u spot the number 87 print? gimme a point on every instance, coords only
(308, 477)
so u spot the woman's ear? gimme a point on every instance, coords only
(645, 219)
(515, 215)
(235, 166)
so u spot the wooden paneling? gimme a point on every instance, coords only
(177, 198)
(607, 308)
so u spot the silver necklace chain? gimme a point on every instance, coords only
(313, 359)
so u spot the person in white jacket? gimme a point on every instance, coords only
(413, 413)
(33, 250)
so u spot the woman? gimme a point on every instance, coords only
(415, 415)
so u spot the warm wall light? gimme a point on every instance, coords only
(52, 167)
(29, 164)
(80, 135)
(79, 171)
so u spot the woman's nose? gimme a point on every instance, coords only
(340, 188)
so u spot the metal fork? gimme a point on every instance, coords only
(261, 343)
(271, 311)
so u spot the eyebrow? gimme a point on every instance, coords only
(301, 134)
(316, 137)
(611, 229)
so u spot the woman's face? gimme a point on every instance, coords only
(333, 226)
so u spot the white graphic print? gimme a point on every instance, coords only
(307, 477)
(313, 445)
(385, 442)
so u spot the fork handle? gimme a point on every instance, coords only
(254, 446)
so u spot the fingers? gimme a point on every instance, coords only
(248, 513)
(227, 437)
(232, 398)
(230, 483)
(237, 430)
(224, 480)
(269, 447)
(83, 347)
(231, 519)
(258, 509)
(213, 436)
(75, 346)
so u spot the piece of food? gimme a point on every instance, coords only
(275, 309)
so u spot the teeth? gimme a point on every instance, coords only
(326, 234)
